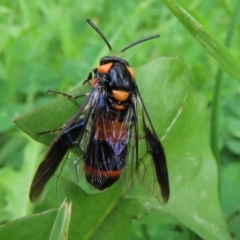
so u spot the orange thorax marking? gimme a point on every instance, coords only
(105, 67)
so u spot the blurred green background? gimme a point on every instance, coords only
(47, 44)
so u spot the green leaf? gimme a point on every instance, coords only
(193, 172)
(61, 224)
(37, 226)
(226, 60)
(102, 216)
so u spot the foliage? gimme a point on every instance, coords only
(48, 45)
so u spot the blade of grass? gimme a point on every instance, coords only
(218, 51)
(214, 120)
(214, 129)
(62, 221)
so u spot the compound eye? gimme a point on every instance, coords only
(131, 72)
(105, 67)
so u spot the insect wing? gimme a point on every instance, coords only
(53, 157)
(72, 132)
(129, 172)
(150, 147)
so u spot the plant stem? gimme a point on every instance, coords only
(214, 123)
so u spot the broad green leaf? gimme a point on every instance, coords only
(61, 224)
(226, 60)
(37, 226)
(157, 226)
(192, 168)
(193, 172)
(106, 215)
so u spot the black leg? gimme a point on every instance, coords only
(68, 95)
(51, 131)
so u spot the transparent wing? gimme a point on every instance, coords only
(151, 163)
(129, 172)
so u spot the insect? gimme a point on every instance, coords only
(108, 129)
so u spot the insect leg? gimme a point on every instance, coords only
(68, 95)
(51, 131)
(89, 78)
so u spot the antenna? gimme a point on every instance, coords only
(99, 32)
(140, 41)
(128, 46)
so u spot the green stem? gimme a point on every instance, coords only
(214, 123)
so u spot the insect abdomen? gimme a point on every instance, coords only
(106, 153)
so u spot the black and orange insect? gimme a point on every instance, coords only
(111, 129)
